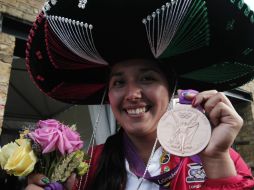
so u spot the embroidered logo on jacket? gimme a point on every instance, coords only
(196, 173)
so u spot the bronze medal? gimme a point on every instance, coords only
(184, 131)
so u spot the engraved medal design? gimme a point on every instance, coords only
(184, 131)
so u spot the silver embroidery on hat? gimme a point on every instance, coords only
(230, 25)
(177, 27)
(47, 5)
(247, 11)
(77, 36)
(241, 4)
(247, 51)
(252, 19)
(53, 2)
(82, 4)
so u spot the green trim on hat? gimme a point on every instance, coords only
(220, 73)
(193, 33)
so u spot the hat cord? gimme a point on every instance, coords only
(178, 26)
(148, 163)
(92, 141)
(170, 106)
(77, 37)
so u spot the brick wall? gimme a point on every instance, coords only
(7, 44)
(245, 139)
(23, 9)
(250, 88)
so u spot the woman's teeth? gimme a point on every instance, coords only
(136, 111)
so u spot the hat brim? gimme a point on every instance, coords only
(227, 62)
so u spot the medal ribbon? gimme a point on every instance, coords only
(137, 166)
(167, 162)
(186, 96)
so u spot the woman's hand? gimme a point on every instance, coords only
(226, 124)
(36, 182)
(39, 181)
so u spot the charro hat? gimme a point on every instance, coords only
(73, 43)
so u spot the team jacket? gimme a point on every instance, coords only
(191, 176)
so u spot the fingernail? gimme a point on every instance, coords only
(193, 103)
(189, 95)
(73, 175)
(45, 180)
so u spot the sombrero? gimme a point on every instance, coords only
(73, 43)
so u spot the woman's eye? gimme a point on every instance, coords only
(147, 78)
(118, 83)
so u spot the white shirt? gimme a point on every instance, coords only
(154, 169)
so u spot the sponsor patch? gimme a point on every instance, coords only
(196, 173)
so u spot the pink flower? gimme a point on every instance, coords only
(49, 123)
(53, 135)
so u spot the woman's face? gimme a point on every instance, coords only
(139, 96)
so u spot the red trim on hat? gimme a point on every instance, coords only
(39, 55)
(70, 91)
(66, 92)
(39, 20)
(60, 56)
(40, 78)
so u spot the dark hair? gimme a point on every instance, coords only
(111, 173)
(170, 74)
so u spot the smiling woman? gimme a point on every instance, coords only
(136, 88)
(133, 50)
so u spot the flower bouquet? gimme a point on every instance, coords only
(50, 148)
